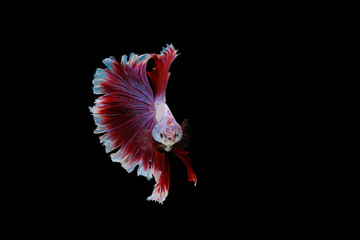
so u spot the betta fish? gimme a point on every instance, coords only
(135, 119)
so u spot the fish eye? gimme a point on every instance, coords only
(176, 135)
(161, 135)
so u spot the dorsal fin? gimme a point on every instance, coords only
(160, 74)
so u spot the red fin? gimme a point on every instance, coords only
(126, 111)
(160, 75)
(183, 155)
(161, 171)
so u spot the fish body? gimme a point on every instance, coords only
(167, 131)
(136, 120)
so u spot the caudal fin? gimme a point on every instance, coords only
(125, 111)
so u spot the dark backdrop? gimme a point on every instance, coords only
(229, 82)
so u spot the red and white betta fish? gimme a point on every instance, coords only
(137, 120)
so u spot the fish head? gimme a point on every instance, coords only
(167, 134)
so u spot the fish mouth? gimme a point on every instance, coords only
(168, 145)
(168, 148)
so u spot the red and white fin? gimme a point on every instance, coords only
(125, 110)
(161, 171)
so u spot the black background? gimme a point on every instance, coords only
(230, 80)
(193, 92)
